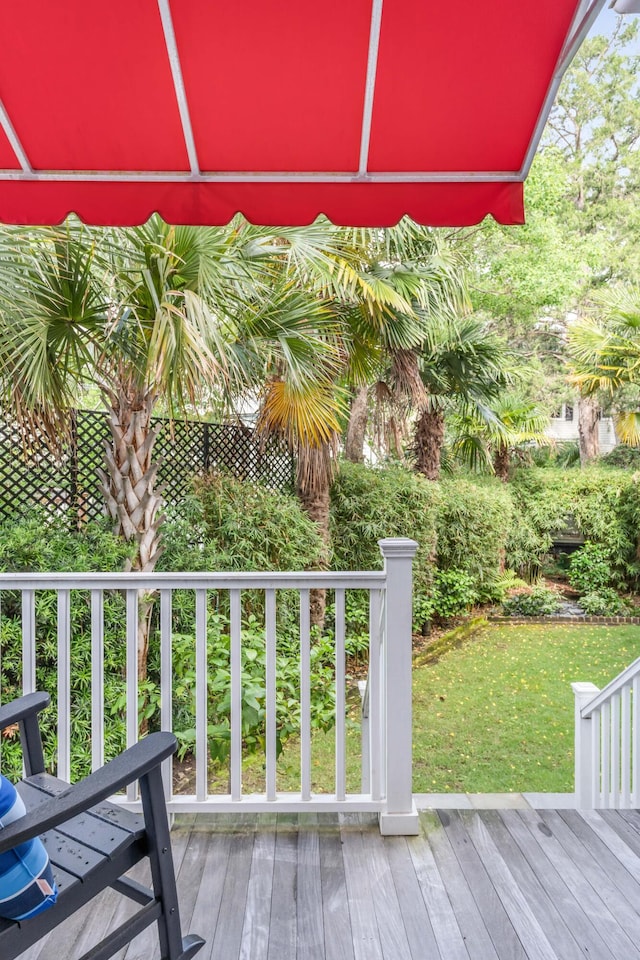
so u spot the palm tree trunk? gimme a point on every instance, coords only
(128, 483)
(501, 462)
(429, 440)
(354, 443)
(313, 487)
(128, 486)
(588, 429)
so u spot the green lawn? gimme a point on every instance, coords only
(495, 715)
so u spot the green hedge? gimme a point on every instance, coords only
(368, 504)
(473, 523)
(461, 527)
(603, 503)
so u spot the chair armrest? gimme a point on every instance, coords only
(126, 768)
(22, 708)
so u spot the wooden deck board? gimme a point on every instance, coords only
(310, 925)
(338, 943)
(483, 884)
(475, 865)
(283, 927)
(518, 915)
(472, 926)
(255, 931)
(525, 882)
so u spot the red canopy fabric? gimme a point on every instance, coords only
(199, 109)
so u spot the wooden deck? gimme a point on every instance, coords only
(477, 885)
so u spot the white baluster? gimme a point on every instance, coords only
(166, 683)
(64, 686)
(270, 684)
(635, 743)
(305, 697)
(340, 696)
(28, 641)
(97, 679)
(605, 753)
(202, 745)
(375, 730)
(625, 748)
(615, 751)
(133, 726)
(236, 695)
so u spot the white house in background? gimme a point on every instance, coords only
(564, 427)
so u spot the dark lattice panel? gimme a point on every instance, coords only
(69, 483)
(30, 474)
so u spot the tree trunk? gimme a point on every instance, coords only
(313, 488)
(128, 486)
(429, 439)
(588, 429)
(501, 462)
(129, 479)
(354, 443)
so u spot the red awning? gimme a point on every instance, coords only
(199, 109)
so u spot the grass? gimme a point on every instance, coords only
(492, 715)
(497, 714)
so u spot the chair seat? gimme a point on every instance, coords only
(81, 849)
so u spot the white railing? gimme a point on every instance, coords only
(386, 761)
(607, 742)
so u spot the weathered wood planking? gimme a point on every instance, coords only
(524, 881)
(477, 884)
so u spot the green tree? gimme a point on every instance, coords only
(173, 315)
(379, 287)
(583, 221)
(484, 437)
(604, 356)
(464, 364)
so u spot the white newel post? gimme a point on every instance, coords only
(584, 773)
(399, 815)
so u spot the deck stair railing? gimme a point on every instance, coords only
(607, 742)
(385, 781)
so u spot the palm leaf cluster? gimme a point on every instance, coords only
(604, 356)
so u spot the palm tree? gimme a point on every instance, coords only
(484, 436)
(604, 355)
(462, 362)
(428, 275)
(370, 283)
(159, 313)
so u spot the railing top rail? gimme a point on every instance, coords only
(616, 685)
(357, 580)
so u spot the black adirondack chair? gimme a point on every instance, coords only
(92, 843)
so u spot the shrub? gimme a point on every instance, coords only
(40, 544)
(604, 602)
(370, 504)
(538, 601)
(454, 592)
(565, 453)
(239, 525)
(622, 456)
(253, 689)
(537, 512)
(473, 524)
(249, 527)
(589, 569)
(604, 505)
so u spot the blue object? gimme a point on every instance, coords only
(27, 886)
